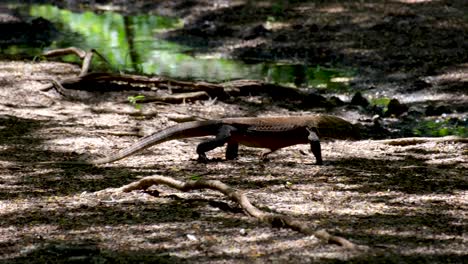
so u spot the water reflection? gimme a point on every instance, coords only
(131, 45)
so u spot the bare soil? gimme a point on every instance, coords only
(407, 202)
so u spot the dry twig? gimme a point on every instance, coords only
(275, 220)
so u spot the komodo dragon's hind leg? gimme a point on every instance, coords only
(315, 146)
(223, 136)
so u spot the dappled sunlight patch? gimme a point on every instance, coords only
(457, 197)
(413, 234)
(333, 8)
(78, 143)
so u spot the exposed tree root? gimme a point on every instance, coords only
(177, 98)
(275, 220)
(197, 90)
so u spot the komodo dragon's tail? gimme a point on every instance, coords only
(183, 130)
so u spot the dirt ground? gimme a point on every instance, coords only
(407, 202)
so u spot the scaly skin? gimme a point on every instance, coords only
(272, 133)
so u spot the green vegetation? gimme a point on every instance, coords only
(440, 128)
(195, 177)
(135, 99)
(381, 102)
(313, 77)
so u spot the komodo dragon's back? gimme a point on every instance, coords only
(334, 127)
(326, 126)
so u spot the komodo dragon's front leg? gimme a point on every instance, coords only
(223, 137)
(315, 145)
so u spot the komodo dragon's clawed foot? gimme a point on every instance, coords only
(202, 159)
(207, 160)
(264, 158)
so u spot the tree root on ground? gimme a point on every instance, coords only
(196, 90)
(275, 220)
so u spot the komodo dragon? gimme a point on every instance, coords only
(272, 133)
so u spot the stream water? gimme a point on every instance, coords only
(131, 44)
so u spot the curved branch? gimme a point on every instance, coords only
(275, 220)
(86, 56)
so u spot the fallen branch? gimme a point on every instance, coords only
(111, 82)
(176, 98)
(275, 220)
(108, 82)
(54, 83)
(86, 56)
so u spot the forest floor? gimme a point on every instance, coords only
(407, 202)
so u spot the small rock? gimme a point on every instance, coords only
(395, 108)
(335, 101)
(192, 237)
(436, 111)
(243, 232)
(420, 85)
(257, 31)
(358, 99)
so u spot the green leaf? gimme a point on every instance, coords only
(195, 177)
